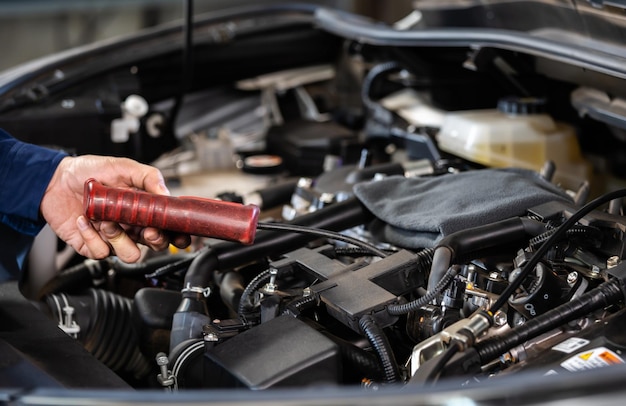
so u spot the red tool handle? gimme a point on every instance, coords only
(187, 215)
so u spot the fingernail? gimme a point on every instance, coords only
(108, 229)
(164, 188)
(82, 224)
(152, 237)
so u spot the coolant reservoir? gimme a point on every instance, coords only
(517, 134)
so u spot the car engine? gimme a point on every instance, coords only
(426, 213)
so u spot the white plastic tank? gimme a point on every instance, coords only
(516, 134)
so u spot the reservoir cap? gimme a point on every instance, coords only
(521, 106)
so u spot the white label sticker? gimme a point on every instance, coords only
(595, 358)
(570, 345)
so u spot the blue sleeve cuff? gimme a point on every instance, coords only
(25, 172)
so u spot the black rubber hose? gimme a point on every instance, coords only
(479, 239)
(513, 230)
(604, 295)
(106, 329)
(278, 194)
(198, 276)
(72, 279)
(231, 288)
(405, 308)
(255, 283)
(381, 346)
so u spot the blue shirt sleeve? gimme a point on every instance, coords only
(25, 171)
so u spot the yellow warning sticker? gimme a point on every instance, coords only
(596, 358)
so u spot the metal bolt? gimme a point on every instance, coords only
(500, 318)
(471, 272)
(507, 358)
(572, 277)
(613, 261)
(211, 337)
(305, 183)
(327, 198)
(67, 322)
(69, 312)
(165, 378)
(271, 285)
(379, 176)
(162, 361)
(595, 269)
(494, 275)
(68, 103)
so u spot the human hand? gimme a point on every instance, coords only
(62, 207)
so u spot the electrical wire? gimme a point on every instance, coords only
(405, 308)
(558, 234)
(323, 233)
(369, 80)
(380, 344)
(247, 292)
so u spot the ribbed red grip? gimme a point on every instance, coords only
(187, 215)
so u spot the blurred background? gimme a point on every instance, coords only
(33, 28)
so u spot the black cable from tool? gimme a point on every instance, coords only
(323, 233)
(558, 234)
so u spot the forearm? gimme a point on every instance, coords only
(25, 172)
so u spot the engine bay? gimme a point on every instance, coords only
(427, 213)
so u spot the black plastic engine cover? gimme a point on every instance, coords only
(282, 352)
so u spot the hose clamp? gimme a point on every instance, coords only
(196, 289)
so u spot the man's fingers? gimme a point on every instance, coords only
(154, 239)
(110, 236)
(124, 247)
(96, 247)
(180, 240)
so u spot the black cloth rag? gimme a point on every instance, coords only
(418, 212)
